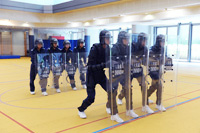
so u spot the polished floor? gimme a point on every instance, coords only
(21, 112)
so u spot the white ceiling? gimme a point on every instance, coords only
(42, 2)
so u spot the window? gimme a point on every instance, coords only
(114, 34)
(162, 31)
(172, 40)
(195, 54)
(183, 42)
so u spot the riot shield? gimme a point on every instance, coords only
(57, 64)
(162, 71)
(139, 73)
(69, 71)
(81, 64)
(169, 97)
(43, 70)
(119, 77)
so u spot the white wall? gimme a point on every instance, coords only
(67, 33)
(94, 35)
(18, 43)
(141, 28)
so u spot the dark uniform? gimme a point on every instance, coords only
(158, 51)
(121, 52)
(33, 70)
(140, 52)
(78, 60)
(95, 73)
(69, 56)
(51, 50)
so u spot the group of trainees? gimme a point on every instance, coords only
(97, 62)
(71, 57)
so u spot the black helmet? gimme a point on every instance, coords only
(157, 47)
(160, 38)
(142, 37)
(104, 34)
(123, 35)
(65, 42)
(39, 41)
(79, 42)
(54, 40)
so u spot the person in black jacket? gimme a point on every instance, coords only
(95, 73)
(139, 59)
(121, 51)
(38, 48)
(156, 57)
(69, 66)
(54, 49)
(80, 54)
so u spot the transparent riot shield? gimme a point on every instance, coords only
(81, 63)
(119, 77)
(139, 73)
(162, 71)
(57, 64)
(43, 70)
(169, 97)
(69, 71)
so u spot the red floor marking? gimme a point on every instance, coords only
(97, 120)
(185, 97)
(143, 117)
(88, 123)
(16, 122)
(119, 113)
(189, 92)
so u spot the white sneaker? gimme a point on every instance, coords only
(150, 101)
(32, 92)
(147, 109)
(119, 101)
(74, 88)
(58, 90)
(131, 113)
(116, 118)
(82, 115)
(45, 93)
(84, 87)
(160, 108)
(108, 110)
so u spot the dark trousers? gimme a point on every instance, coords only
(128, 93)
(72, 81)
(92, 79)
(33, 73)
(155, 85)
(82, 78)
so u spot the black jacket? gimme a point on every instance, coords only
(52, 50)
(82, 54)
(120, 50)
(69, 55)
(142, 53)
(120, 54)
(157, 54)
(34, 53)
(97, 58)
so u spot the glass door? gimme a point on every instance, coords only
(195, 54)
